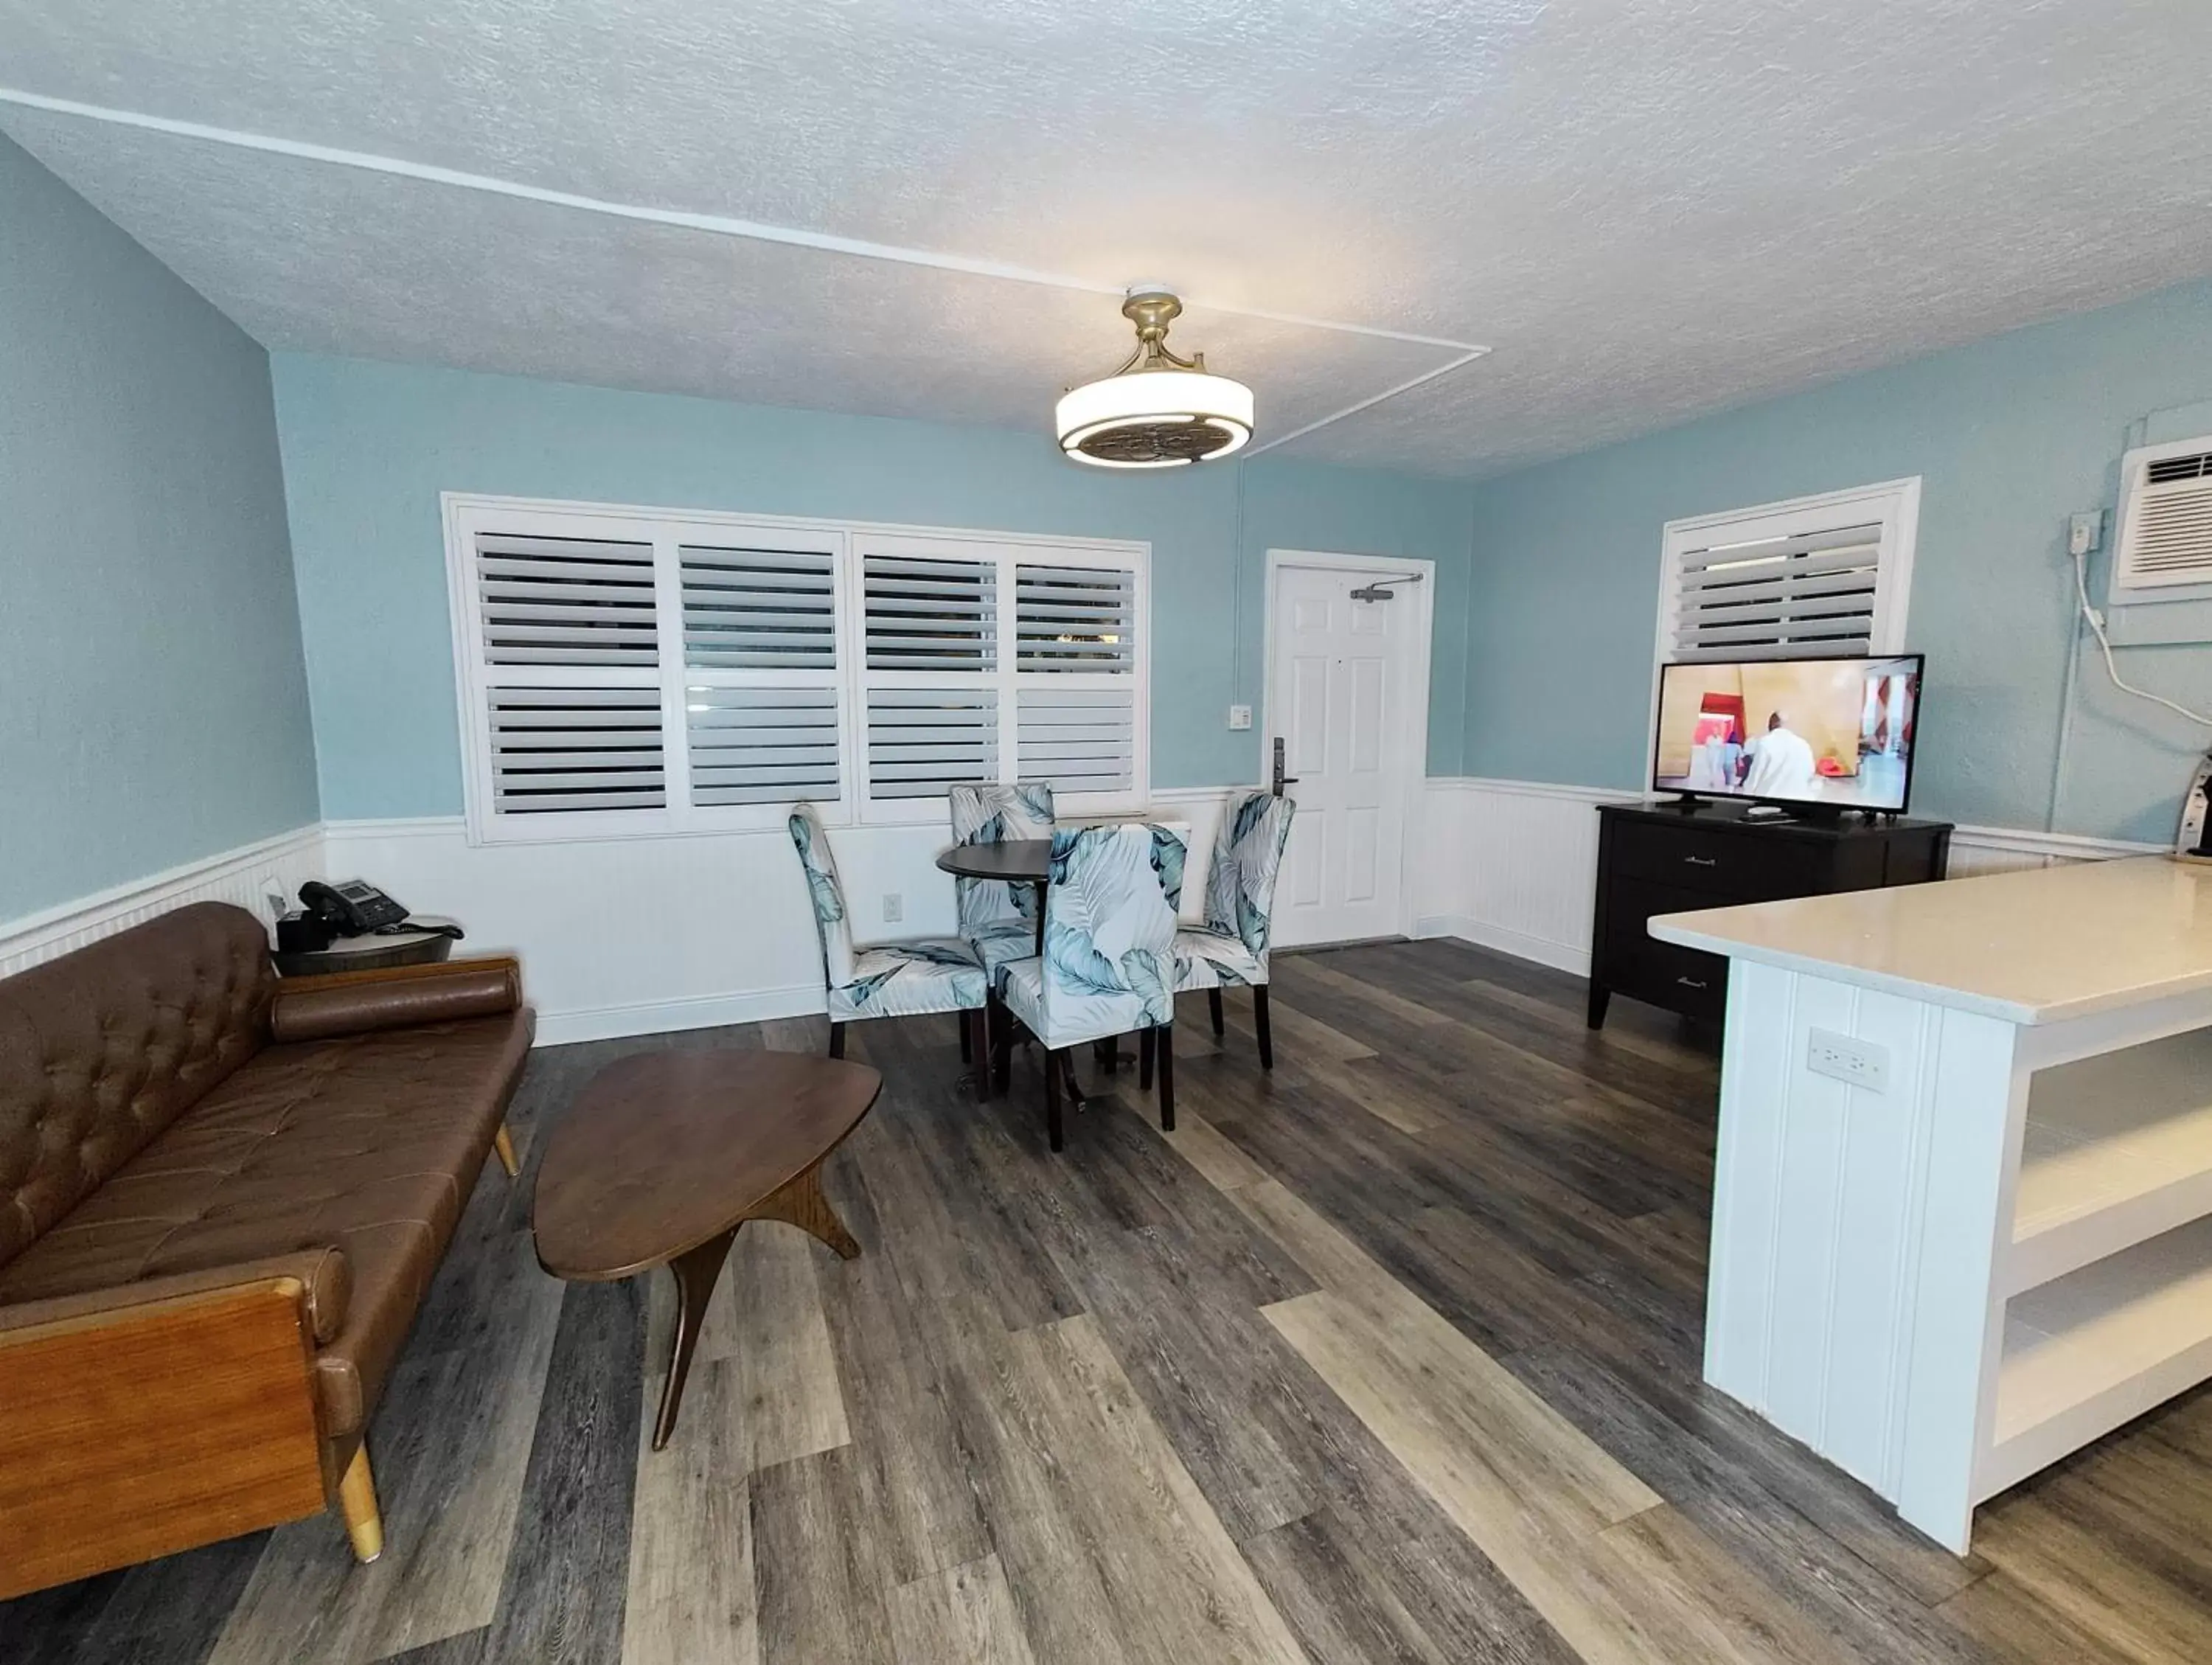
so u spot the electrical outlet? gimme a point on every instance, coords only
(1844, 1058)
(2084, 531)
(894, 908)
(1240, 716)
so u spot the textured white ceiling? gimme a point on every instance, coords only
(1647, 207)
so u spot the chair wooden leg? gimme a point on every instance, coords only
(364, 1525)
(1260, 1026)
(503, 1142)
(1052, 1099)
(1146, 1046)
(837, 1040)
(1167, 1077)
(1214, 1008)
(1000, 1023)
(975, 1048)
(1106, 1053)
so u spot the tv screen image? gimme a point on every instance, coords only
(1832, 732)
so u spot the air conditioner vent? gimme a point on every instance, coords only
(2166, 523)
(2198, 467)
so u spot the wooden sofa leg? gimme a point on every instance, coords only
(503, 1142)
(357, 1502)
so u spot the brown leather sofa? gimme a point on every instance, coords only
(222, 1199)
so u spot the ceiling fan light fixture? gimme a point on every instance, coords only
(1158, 410)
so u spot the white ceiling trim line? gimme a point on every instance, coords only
(1464, 352)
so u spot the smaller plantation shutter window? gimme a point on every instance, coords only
(571, 662)
(1781, 597)
(922, 740)
(931, 614)
(761, 710)
(1076, 677)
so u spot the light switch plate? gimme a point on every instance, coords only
(1240, 716)
(1845, 1058)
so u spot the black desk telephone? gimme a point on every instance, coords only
(351, 907)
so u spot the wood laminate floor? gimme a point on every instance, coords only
(1392, 1355)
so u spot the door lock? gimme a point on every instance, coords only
(1281, 780)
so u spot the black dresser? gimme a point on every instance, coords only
(1658, 859)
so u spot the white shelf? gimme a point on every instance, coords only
(2092, 1350)
(2118, 1150)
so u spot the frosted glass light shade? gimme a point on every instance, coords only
(1154, 419)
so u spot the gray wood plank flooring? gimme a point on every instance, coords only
(1391, 1355)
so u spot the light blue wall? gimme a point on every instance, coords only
(369, 446)
(2010, 435)
(153, 702)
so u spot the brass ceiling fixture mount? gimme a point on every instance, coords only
(1158, 409)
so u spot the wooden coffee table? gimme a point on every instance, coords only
(665, 1154)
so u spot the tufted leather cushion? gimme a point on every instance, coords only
(102, 1050)
(368, 1143)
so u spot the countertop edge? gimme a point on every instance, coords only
(2010, 1012)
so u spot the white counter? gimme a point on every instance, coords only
(1995, 1244)
(2035, 947)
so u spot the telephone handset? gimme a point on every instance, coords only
(354, 907)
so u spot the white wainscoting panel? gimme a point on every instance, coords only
(631, 936)
(245, 876)
(1512, 865)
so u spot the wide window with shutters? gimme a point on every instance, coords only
(631, 672)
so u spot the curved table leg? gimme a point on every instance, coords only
(801, 1203)
(697, 1274)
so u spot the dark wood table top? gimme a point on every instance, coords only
(1018, 861)
(664, 1151)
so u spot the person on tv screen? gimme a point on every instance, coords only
(1781, 763)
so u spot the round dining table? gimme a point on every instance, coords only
(1011, 862)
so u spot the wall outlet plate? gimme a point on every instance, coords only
(894, 907)
(1240, 716)
(1848, 1059)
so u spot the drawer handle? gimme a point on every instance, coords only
(1691, 982)
(1702, 861)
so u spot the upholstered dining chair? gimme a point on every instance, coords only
(1230, 949)
(1108, 965)
(888, 980)
(999, 919)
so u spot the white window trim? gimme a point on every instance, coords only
(1895, 503)
(465, 514)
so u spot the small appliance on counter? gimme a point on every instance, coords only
(2194, 841)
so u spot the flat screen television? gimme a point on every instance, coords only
(1818, 735)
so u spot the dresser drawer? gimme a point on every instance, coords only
(1733, 866)
(1684, 980)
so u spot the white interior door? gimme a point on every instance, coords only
(1343, 698)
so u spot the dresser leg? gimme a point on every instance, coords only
(1600, 997)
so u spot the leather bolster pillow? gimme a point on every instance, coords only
(325, 1276)
(320, 1014)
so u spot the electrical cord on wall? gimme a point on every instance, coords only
(2111, 668)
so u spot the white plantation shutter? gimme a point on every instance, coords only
(1080, 739)
(1781, 597)
(761, 709)
(638, 671)
(1075, 618)
(931, 614)
(566, 601)
(587, 748)
(922, 740)
(763, 746)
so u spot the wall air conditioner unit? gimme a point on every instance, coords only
(2164, 548)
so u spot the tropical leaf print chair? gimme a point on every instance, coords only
(1108, 966)
(997, 920)
(890, 980)
(1229, 949)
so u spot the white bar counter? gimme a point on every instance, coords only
(1994, 1244)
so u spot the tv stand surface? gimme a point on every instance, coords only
(1672, 858)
